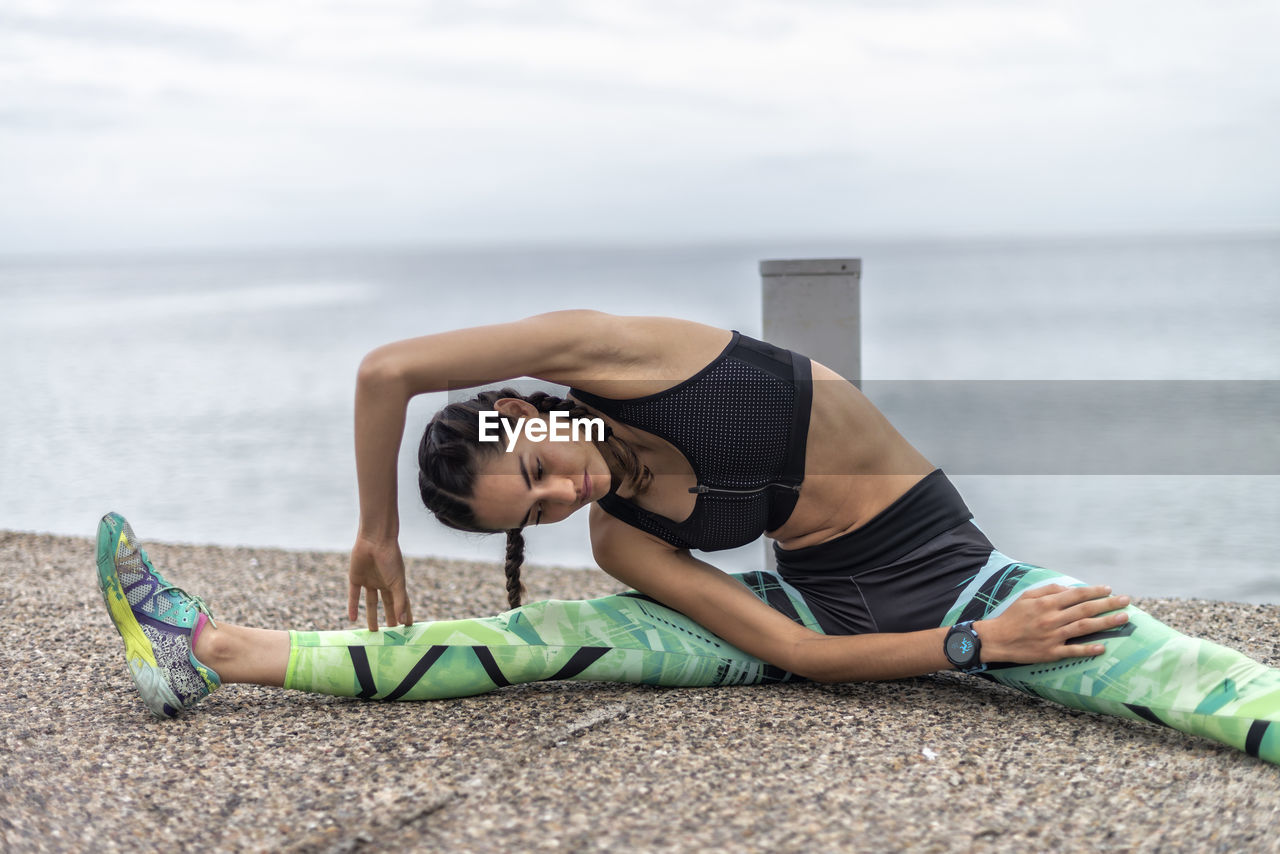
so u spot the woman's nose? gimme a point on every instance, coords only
(562, 490)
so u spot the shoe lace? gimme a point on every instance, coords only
(187, 602)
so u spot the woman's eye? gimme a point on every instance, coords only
(539, 469)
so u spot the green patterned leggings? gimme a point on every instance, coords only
(1149, 671)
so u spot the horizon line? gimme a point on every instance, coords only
(597, 244)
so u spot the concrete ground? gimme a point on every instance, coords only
(940, 763)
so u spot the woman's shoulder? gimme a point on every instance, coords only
(640, 335)
(636, 355)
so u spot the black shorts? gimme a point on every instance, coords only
(900, 572)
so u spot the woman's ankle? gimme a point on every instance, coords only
(213, 646)
(240, 654)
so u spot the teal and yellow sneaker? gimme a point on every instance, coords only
(157, 621)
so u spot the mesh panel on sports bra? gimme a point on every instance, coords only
(732, 422)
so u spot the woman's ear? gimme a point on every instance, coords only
(514, 407)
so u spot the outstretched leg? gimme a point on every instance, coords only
(626, 637)
(1149, 672)
(178, 656)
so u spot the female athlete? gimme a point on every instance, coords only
(694, 439)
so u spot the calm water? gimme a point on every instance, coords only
(209, 397)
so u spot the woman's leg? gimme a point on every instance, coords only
(178, 656)
(622, 638)
(245, 655)
(1149, 672)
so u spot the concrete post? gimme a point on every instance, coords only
(813, 306)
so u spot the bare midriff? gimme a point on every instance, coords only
(856, 465)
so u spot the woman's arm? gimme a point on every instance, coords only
(560, 346)
(556, 344)
(377, 566)
(566, 347)
(1035, 628)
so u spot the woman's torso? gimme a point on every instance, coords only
(855, 463)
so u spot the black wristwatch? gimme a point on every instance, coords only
(963, 648)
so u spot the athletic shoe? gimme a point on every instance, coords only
(156, 620)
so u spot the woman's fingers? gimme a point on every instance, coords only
(396, 604)
(1083, 628)
(1078, 603)
(377, 570)
(1041, 624)
(395, 607)
(1067, 596)
(371, 608)
(1092, 618)
(396, 611)
(1081, 650)
(353, 601)
(403, 609)
(1094, 607)
(1047, 590)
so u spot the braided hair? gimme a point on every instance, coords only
(449, 456)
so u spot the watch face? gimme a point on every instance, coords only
(960, 648)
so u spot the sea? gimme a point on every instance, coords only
(208, 395)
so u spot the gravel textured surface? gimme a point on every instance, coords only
(940, 763)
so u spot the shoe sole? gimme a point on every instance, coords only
(138, 652)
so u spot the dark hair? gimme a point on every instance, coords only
(449, 456)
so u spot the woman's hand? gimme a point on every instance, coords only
(1037, 626)
(377, 568)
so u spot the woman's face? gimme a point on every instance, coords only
(537, 482)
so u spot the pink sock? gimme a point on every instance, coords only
(195, 633)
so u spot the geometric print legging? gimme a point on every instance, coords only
(1149, 671)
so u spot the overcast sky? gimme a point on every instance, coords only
(162, 124)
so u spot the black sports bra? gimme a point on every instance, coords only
(741, 422)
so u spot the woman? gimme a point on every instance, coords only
(708, 439)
